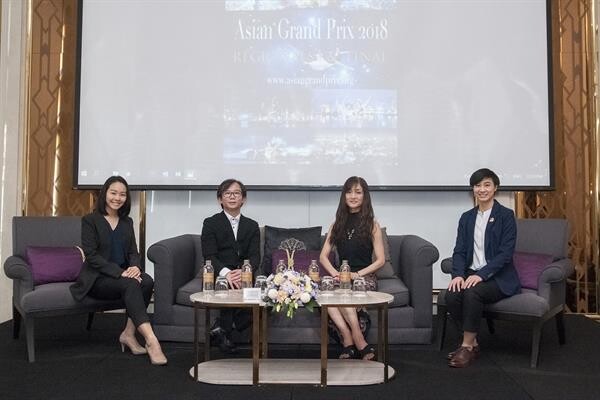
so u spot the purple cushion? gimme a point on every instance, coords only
(302, 259)
(54, 264)
(275, 237)
(529, 266)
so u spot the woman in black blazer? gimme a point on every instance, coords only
(111, 269)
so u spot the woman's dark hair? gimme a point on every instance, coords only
(481, 174)
(365, 215)
(101, 201)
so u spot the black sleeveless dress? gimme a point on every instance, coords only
(357, 250)
(359, 254)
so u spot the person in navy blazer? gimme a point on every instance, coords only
(482, 263)
(228, 238)
(112, 266)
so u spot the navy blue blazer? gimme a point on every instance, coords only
(221, 247)
(500, 239)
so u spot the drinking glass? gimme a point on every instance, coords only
(221, 286)
(359, 287)
(327, 286)
(261, 282)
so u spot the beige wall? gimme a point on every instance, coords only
(12, 74)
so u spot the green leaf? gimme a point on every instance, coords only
(310, 306)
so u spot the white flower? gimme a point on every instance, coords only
(305, 297)
(286, 291)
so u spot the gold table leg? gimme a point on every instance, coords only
(264, 312)
(380, 349)
(386, 347)
(196, 347)
(255, 342)
(324, 342)
(206, 333)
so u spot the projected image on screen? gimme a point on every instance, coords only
(305, 93)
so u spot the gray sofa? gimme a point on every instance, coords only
(178, 260)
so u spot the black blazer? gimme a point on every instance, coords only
(95, 242)
(500, 239)
(223, 250)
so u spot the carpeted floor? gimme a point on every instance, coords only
(74, 364)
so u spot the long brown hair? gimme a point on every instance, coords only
(365, 215)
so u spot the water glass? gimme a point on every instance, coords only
(221, 286)
(261, 282)
(359, 287)
(327, 286)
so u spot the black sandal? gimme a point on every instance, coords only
(348, 352)
(368, 352)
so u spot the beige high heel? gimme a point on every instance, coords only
(133, 346)
(157, 357)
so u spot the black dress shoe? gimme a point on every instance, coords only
(227, 346)
(219, 338)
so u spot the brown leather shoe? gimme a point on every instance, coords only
(463, 358)
(452, 353)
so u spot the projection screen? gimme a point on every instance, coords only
(302, 94)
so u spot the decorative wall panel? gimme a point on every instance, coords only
(576, 148)
(50, 136)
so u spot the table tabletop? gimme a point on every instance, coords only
(337, 298)
(234, 297)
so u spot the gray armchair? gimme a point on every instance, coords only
(51, 299)
(543, 236)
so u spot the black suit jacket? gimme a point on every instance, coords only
(221, 247)
(95, 242)
(500, 239)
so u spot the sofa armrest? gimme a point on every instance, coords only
(416, 259)
(174, 265)
(446, 265)
(552, 281)
(17, 269)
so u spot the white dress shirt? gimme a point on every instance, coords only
(481, 222)
(235, 223)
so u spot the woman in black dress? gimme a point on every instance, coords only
(112, 267)
(357, 237)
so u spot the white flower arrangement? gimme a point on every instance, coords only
(288, 290)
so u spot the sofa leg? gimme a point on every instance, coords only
(29, 333)
(490, 325)
(560, 327)
(16, 323)
(90, 321)
(535, 344)
(442, 318)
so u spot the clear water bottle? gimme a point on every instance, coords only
(345, 277)
(281, 267)
(313, 272)
(246, 275)
(208, 277)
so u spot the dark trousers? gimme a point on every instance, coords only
(466, 307)
(136, 295)
(241, 317)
